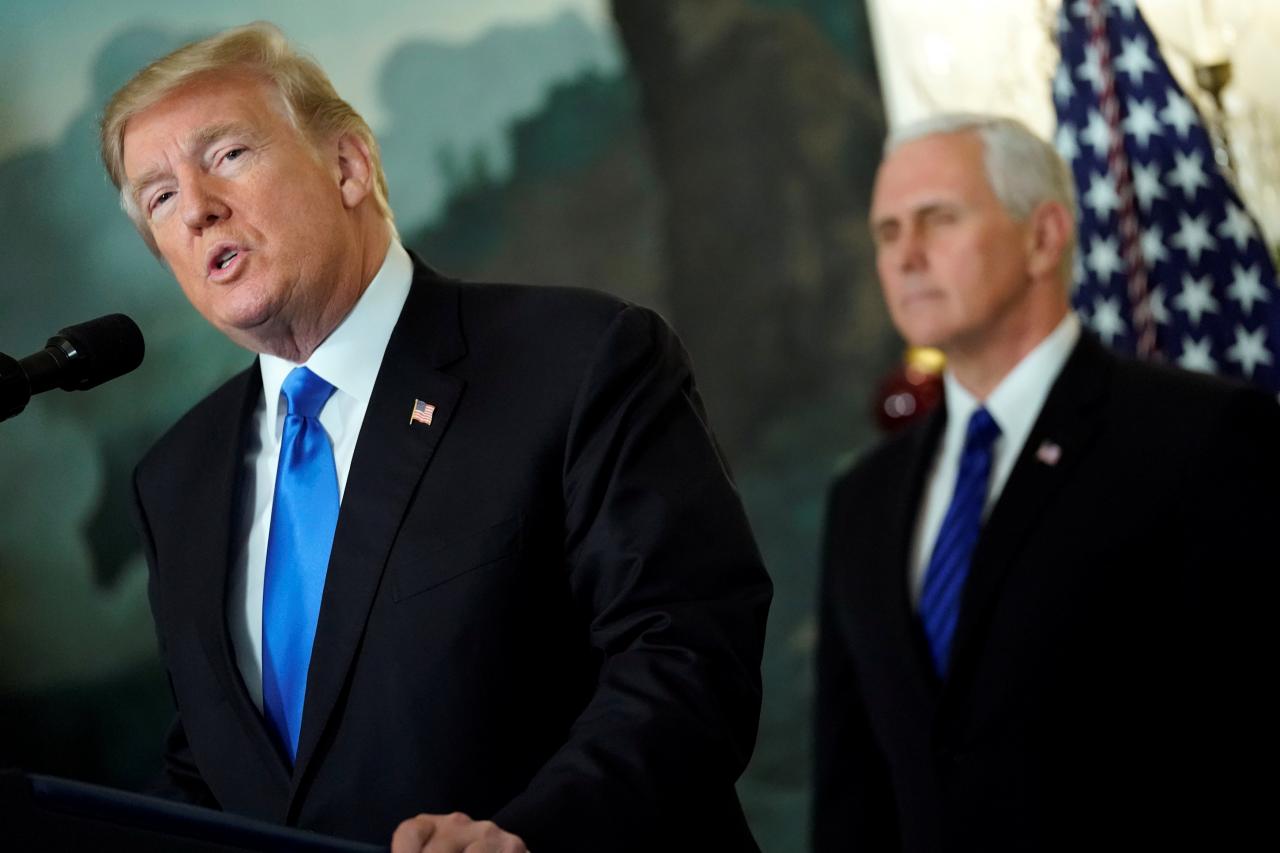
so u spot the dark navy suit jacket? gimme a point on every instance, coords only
(1106, 685)
(546, 608)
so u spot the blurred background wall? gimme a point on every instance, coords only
(709, 158)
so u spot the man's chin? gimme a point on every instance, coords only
(249, 329)
(917, 337)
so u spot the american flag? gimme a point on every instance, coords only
(1170, 264)
(422, 413)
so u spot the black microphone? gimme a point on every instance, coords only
(78, 358)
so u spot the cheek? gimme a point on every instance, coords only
(1003, 252)
(195, 296)
(177, 261)
(884, 271)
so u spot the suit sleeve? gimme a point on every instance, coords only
(853, 803)
(661, 556)
(178, 779)
(1230, 511)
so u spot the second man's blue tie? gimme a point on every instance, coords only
(304, 515)
(949, 563)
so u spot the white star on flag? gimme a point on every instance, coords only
(1102, 197)
(1178, 113)
(1196, 298)
(1063, 88)
(1196, 355)
(1153, 250)
(1091, 68)
(1065, 142)
(1097, 134)
(1141, 123)
(1238, 226)
(1146, 184)
(1188, 173)
(1246, 287)
(1250, 349)
(1104, 258)
(1107, 321)
(1193, 236)
(1135, 60)
(1155, 304)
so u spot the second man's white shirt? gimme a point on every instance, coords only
(1014, 404)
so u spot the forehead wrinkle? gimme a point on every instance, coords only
(202, 137)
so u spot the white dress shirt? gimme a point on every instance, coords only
(349, 360)
(1014, 405)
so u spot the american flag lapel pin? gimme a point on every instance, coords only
(422, 413)
(1049, 452)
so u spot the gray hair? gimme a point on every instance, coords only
(1022, 169)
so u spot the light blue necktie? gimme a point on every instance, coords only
(949, 564)
(303, 517)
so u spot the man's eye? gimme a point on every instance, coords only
(234, 154)
(161, 198)
(884, 236)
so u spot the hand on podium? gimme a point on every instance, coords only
(453, 833)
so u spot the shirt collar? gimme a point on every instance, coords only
(349, 359)
(1016, 401)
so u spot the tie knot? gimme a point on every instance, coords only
(305, 392)
(982, 430)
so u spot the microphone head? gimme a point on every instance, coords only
(99, 350)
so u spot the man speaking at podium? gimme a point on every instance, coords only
(456, 562)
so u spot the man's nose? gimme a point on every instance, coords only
(911, 250)
(201, 205)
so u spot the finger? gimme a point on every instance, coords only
(490, 838)
(453, 832)
(413, 834)
(502, 843)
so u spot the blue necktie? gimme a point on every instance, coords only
(303, 517)
(949, 563)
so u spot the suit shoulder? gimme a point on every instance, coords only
(1167, 393)
(573, 309)
(529, 324)
(203, 424)
(887, 458)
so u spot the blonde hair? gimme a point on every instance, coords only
(260, 48)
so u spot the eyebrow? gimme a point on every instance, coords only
(199, 139)
(884, 223)
(925, 209)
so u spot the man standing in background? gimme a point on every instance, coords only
(1040, 611)
(461, 550)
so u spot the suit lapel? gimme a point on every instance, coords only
(390, 458)
(894, 575)
(210, 528)
(1059, 439)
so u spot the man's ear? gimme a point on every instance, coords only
(1048, 235)
(355, 170)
